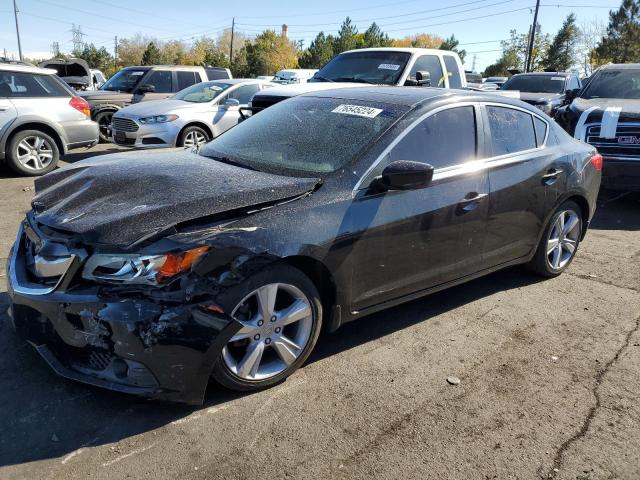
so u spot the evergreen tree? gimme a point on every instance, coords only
(561, 55)
(347, 37)
(451, 44)
(319, 52)
(151, 55)
(374, 37)
(622, 43)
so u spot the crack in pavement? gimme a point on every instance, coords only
(584, 276)
(586, 425)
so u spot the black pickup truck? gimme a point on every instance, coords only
(606, 114)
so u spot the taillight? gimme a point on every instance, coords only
(81, 105)
(597, 161)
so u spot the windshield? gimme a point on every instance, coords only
(304, 135)
(614, 84)
(381, 67)
(202, 92)
(124, 81)
(535, 83)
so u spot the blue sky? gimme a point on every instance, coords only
(478, 24)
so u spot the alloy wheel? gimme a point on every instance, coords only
(563, 239)
(34, 153)
(104, 125)
(277, 323)
(194, 139)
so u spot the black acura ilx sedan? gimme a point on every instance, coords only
(150, 272)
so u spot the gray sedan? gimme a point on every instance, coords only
(191, 117)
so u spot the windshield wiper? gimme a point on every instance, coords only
(322, 79)
(355, 80)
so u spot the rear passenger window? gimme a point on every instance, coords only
(541, 130)
(444, 139)
(161, 79)
(16, 85)
(453, 71)
(431, 64)
(186, 79)
(511, 130)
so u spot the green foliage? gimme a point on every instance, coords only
(267, 54)
(347, 37)
(151, 55)
(319, 52)
(561, 54)
(622, 43)
(514, 53)
(374, 37)
(451, 44)
(98, 58)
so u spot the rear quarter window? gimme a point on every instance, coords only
(27, 85)
(541, 130)
(512, 130)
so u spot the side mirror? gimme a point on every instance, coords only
(231, 102)
(405, 175)
(571, 95)
(423, 78)
(146, 88)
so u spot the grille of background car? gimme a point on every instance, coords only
(125, 124)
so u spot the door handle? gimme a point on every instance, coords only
(551, 176)
(471, 201)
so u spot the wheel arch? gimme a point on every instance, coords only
(324, 281)
(107, 107)
(202, 125)
(43, 127)
(584, 210)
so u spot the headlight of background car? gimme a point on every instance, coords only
(140, 269)
(545, 107)
(158, 119)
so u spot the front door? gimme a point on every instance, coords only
(413, 240)
(162, 82)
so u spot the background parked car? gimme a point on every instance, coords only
(140, 84)
(40, 119)
(191, 117)
(606, 114)
(294, 75)
(76, 73)
(544, 90)
(499, 81)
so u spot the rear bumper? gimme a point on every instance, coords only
(621, 174)
(159, 349)
(81, 133)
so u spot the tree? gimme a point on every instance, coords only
(319, 52)
(591, 32)
(421, 40)
(151, 55)
(269, 53)
(514, 53)
(622, 42)
(224, 41)
(130, 50)
(374, 37)
(176, 52)
(561, 54)
(451, 44)
(98, 58)
(347, 37)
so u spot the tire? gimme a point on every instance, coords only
(274, 342)
(103, 119)
(193, 136)
(32, 153)
(550, 261)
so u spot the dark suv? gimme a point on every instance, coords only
(547, 91)
(139, 84)
(606, 114)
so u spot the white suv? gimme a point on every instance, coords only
(40, 119)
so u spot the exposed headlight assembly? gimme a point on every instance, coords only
(158, 119)
(132, 269)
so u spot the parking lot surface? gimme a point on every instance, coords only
(548, 371)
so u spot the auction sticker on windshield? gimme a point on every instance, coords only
(388, 66)
(358, 110)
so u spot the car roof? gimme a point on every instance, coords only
(433, 51)
(545, 74)
(412, 96)
(621, 66)
(234, 81)
(15, 67)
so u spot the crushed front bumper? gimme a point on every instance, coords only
(129, 344)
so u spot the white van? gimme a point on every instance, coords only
(294, 75)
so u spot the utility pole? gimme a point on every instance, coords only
(115, 53)
(233, 27)
(55, 49)
(532, 38)
(15, 14)
(473, 66)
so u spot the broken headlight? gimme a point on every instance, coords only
(140, 269)
(158, 119)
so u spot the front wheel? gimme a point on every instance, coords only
(281, 317)
(559, 244)
(103, 119)
(193, 137)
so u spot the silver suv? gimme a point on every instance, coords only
(40, 119)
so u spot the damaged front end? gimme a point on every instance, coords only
(147, 324)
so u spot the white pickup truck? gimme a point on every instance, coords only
(376, 66)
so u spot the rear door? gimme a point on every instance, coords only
(413, 240)
(524, 176)
(7, 109)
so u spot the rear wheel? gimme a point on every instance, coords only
(193, 137)
(32, 153)
(559, 244)
(103, 119)
(281, 316)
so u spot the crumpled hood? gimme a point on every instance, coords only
(155, 107)
(540, 97)
(119, 199)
